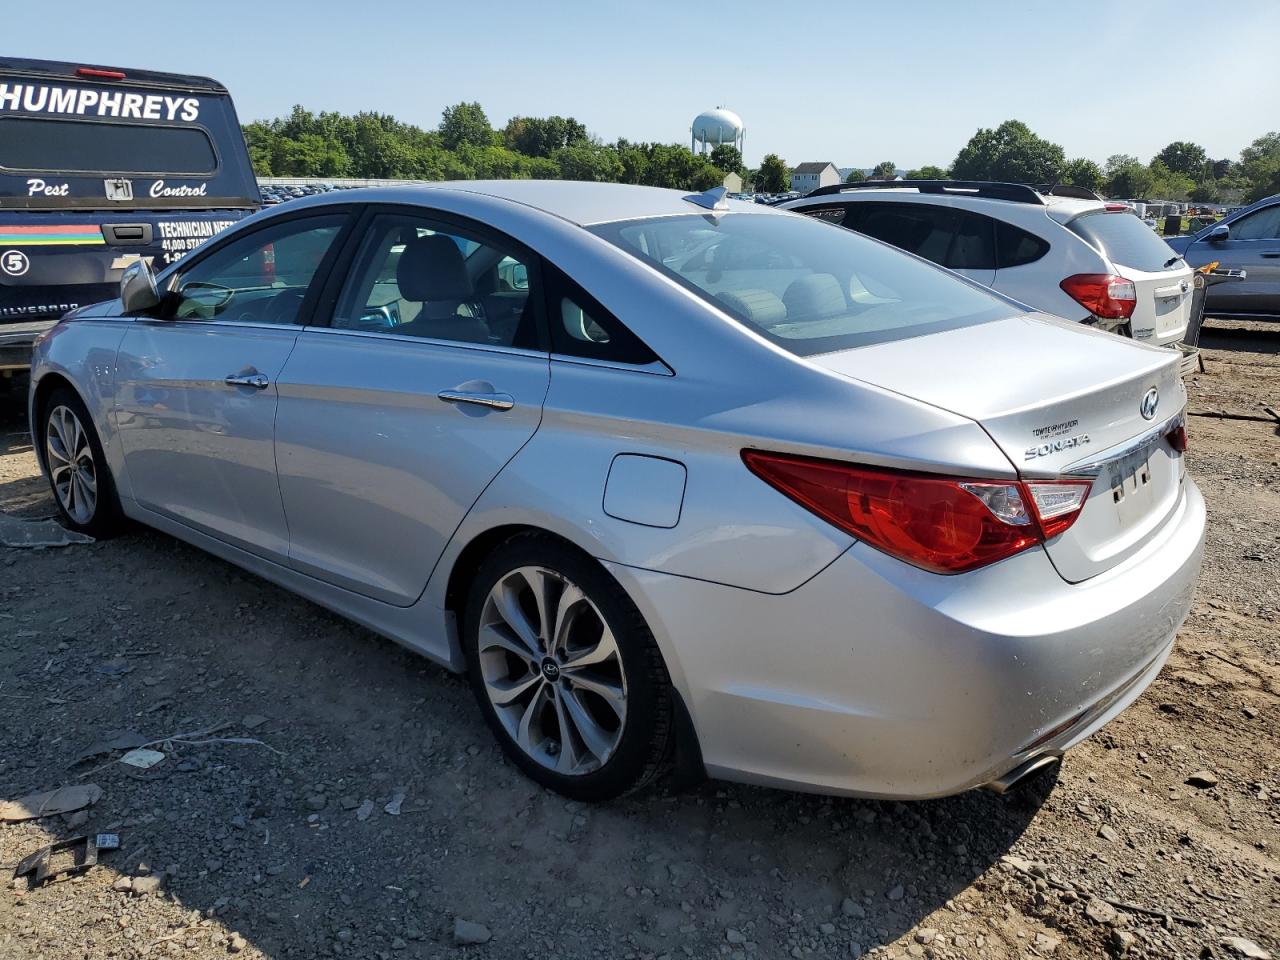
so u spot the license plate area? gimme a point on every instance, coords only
(1130, 478)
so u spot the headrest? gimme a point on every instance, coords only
(760, 307)
(432, 268)
(814, 297)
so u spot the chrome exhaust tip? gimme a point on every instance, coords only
(1022, 771)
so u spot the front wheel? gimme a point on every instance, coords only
(566, 672)
(77, 467)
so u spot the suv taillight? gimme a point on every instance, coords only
(941, 524)
(1103, 294)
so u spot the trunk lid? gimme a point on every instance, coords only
(1059, 400)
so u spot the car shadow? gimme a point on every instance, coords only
(334, 794)
(1239, 336)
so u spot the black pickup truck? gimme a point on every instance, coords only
(99, 167)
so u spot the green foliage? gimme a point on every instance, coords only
(1117, 162)
(1133, 180)
(1260, 167)
(1168, 184)
(542, 136)
(1009, 152)
(465, 123)
(588, 161)
(1082, 172)
(728, 158)
(1207, 191)
(774, 177)
(1183, 157)
(884, 170)
(927, 172)
(855, 176)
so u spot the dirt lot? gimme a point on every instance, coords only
(269, 848)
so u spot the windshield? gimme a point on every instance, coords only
(808, 286)
(1125, 240)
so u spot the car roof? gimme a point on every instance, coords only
(576, 201)
(1062, 209)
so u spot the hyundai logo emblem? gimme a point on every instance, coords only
(1149, 403)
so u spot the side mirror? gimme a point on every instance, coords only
(138, 288)
(1219, 233)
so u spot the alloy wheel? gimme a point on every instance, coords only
(71, 467)
(552, 669)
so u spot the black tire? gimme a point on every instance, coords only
(644, 745)
(105, 519)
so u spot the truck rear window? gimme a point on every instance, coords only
(1125, 240)
(87, 146)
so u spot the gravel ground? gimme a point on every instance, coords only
(372, 816)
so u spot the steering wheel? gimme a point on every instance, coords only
(284, 307)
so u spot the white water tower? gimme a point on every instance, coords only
(714, 127)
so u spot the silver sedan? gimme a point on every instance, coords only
(675, 480)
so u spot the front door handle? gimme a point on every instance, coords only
(255, 380)
(1271, 256)
(494, 401)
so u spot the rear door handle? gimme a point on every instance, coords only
(494, 401)
(255, 380)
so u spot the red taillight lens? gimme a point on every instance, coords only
(1178, 438)
(1102, 294)
(101, 74)
(942, 524)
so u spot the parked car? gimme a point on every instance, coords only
(673, 479)
(1064, 252)
(100, 166)
(1247, 240)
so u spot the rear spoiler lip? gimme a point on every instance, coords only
(54, 71)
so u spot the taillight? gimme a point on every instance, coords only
(942, 524)
(1178, 438)
(1102, 294)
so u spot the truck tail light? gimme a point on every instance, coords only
(942, 524)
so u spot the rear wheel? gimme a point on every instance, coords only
(566, 671)
(77, 467)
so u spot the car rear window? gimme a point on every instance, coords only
(808, 286)
(1125, 240)
(87, 146)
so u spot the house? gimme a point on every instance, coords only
(811, 176)
(733, 182)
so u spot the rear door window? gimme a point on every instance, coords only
(953, 238)
(1125, 240)
(89, 146)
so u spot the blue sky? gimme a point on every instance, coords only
(871, 82)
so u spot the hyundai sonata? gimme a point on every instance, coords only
(673, 479)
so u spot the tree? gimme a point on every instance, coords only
(1082, 172)
(1117, 162)
(884, 170)
(855, 176)
(465, 123)
(774, 177)
(727, 157)
(927, 172)
(1260, 167)
(588, 161)
(1184, 157)
(542, 136)
(1009, 152)
(1167, 184)
(1207, 191)
(1131, 181)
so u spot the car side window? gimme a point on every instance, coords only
(1261, 225)
(973, 245)
(582, 327)
(416, 277)
(1016, 247)
(262, 277)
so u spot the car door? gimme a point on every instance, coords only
(428, 376)
(196, 392)
(1254, 247)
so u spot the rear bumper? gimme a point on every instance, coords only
(17, 340)
(878, 679)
